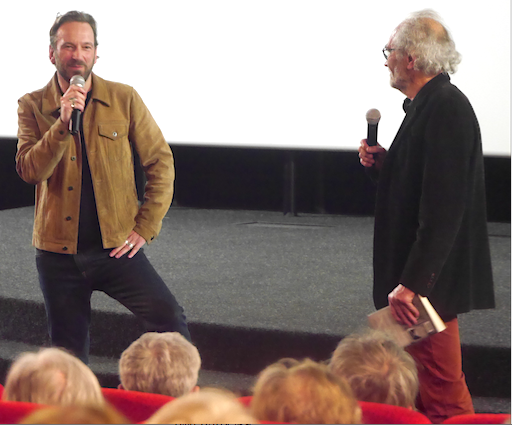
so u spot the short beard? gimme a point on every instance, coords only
(62, 71)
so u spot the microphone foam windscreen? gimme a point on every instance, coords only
(373, 116)
(77, 80)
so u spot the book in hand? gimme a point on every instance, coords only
(429, 323)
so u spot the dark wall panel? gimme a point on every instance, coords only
(330, 182)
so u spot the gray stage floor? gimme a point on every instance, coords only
(310, 273)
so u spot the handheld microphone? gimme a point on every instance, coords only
(373, 118)
(74, 123)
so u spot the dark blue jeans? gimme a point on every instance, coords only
(67, 282)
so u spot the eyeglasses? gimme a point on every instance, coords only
(387, 52)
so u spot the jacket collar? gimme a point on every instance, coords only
(411, 105)
(100, 91)
(52, 94)
(51, 97)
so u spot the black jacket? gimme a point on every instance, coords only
(430, 217)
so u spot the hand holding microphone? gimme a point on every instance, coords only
(370, 152)
(73, 103)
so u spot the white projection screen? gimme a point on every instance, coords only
(296, 74)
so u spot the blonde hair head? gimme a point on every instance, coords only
(203, 407)
(377, 369)
(160, 363)
(52, 376)
(303, 392)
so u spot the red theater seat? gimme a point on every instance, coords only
(12, 412)
(377, 413)
(246, 400)
(479, 418)
(135, 405)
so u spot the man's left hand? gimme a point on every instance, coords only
(402, 308)
(133, 243)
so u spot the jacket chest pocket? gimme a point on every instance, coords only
(114, 139)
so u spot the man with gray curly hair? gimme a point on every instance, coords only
(425, 38)
(430, 235)
(160, 363)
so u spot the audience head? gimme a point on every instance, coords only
(52, 376)
(303, 392)
(160, 363)
(424, 37)
(377, 369)
(75, 415)
(203, 407)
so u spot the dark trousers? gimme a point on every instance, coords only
(67, 282)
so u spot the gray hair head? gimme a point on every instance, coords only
(424, 37)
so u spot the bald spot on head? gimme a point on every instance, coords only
(436, 27)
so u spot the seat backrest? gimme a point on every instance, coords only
(479, 418)
(136, 406)
(245, 400)
(12, 412)
(378, 413)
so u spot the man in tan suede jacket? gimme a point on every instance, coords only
(89, 228)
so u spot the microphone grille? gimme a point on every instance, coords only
(77, 80)
(373, 116)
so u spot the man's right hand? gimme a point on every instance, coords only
(74, 98)
(402, 307)
(371, 155)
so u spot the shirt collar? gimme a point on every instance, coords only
(407, 103)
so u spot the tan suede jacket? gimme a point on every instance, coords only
(48, 156)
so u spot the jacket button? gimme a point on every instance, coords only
(70, 188)
(114, 134)
(64, 248)
(68, 218)
(73, 158)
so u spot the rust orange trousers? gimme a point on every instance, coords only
(443, 390)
